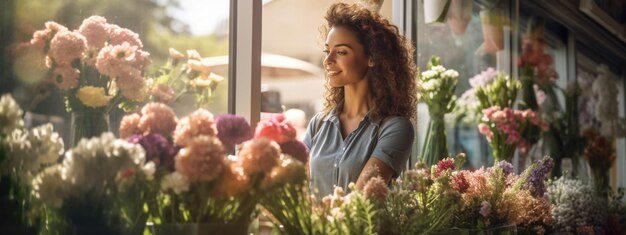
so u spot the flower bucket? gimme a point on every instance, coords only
(237, 228)
(459, 16)
(435, 11)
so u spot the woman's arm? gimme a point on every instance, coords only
(374, 168)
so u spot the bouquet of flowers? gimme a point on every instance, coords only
(468, 106)
(437, 90)
(98, 66)
(178, 78)
(23, 154)
(98, 188)
(503, 129)
(496, 196)
(576, 208)
(600, 154)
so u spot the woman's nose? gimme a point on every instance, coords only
(329, 59)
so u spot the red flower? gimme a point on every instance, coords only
(276, 129)
(443, 165)
(459, 183)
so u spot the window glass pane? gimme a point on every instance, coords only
(158, 25)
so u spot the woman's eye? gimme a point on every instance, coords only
(326, 52)
(342, 52)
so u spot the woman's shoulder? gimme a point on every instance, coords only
(397, 123)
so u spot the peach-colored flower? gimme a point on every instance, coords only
(376, 189)
(288, 170)
(65, 77)
(193, 55)
(163, 93)
(232, 182)
(96, 31)
(201, 160)
(157, 118)
(115, 60)
(200, 122)
(174, 54)
(259, 155)
(66, 46)
(129, 125)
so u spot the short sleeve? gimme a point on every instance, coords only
(310, 130)
(395, 142)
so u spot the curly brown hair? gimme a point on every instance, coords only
(392, 80)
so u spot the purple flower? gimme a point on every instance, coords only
(484, 78)
(232, 130)
(506, 167)
(536, 182)
(296, 149)
(157, 148)
(485, 209)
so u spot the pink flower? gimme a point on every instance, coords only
(200, 122)
(65, 77)
(488, 112)
(116, 60)
(129, 126)
(119, 36)
(485, 209)
(163, 93)
(157, 118)
(42, 37)
(259, 156)
(485, 130)
(202, 159)
(459, 183)
(295, 149)
(233, 130)
(498, 116)
(444, 165)
(277, 129)
(96, 31)
(376, 189)
(66, 46)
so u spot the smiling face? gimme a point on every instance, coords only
(345, 62)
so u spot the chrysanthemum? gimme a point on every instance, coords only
(119, 35)
(10, 115)
(200, 122)
(157, 118)
(259, 155)
(202, 159)
(96, 31)
(158, 149)
(232, 130)
(163, 93)
(41, 37)
(66, 46)
(116, 60)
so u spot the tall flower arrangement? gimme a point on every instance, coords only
(23, 154)
(99, 187)
(98, 66)
(437, 90)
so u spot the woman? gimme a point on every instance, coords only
(371, 99)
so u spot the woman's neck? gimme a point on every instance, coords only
(356, 100)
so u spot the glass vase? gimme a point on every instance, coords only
(87, 124)
(235, 228)
(436, 143)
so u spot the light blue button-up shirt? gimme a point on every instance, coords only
(337, 162)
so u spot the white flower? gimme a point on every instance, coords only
(10, 115)
(438, 69)
(428, 74)
(149, 169)
(450, 73)
(49, 186)
(28, 152)
(95, 163)
(176, 182)
(431, 85)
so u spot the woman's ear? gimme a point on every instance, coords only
(370, 62)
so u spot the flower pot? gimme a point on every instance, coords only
(87, 124)
(459, 16)
(238, 228)
(435, 11)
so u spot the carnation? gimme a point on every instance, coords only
(119, 36)
(200, 122)
(96, 31)
(158, 149)
(157, 118)
(232, 130)
(10, 115)
(277, 128)
(66, 46)
(130, 125)
(163, 93)
(202, 159)
(65, 77)
(259, 155)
